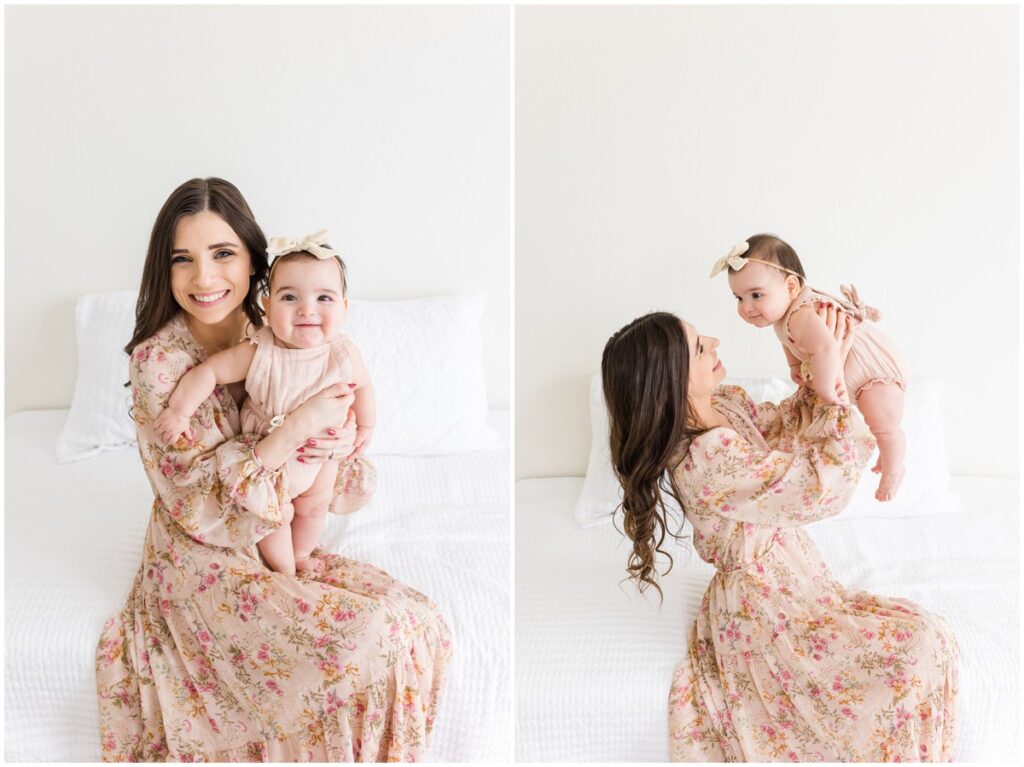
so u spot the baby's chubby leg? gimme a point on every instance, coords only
(276, 548)
(311, 517)
(882, 407)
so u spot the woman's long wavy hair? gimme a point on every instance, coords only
(156, 304)
(644, 371)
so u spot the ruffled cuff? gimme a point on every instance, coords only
(252, 493)
(812, 419)
(354, 486)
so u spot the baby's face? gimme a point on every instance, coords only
(305, 307)
(763, 294)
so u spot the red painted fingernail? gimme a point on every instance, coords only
(351, 386)
(312, 443)
(300, 459)
(301, 449)
(332, 432)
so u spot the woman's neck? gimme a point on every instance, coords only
(703, 415)
(223, 335)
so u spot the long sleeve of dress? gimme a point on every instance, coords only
(806, 469)
(213, 486)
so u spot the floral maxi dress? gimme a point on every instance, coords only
(784, 663)
(217, 658)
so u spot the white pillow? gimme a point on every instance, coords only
(925, 488)
(425, 357)
(99, 418)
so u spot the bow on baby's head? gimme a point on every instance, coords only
(734, 259)
(315, 243)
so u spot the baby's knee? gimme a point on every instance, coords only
(312, 506)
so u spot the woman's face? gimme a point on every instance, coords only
(706, 370)
(210, 267)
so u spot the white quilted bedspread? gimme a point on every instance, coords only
(594, 660)
(73, 538)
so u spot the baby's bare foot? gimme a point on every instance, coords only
(889, 484)
(309, 564)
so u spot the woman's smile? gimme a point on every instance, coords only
(209, 299)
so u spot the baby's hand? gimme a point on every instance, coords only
(363, 436)
(169, 426)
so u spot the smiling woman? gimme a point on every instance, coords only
(215, 657)
(213, 244)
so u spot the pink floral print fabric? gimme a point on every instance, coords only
(215, 657)
(783, 662)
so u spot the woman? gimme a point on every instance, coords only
(215, 657)
(783, 662)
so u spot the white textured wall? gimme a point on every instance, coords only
(881, 142)
(387, 125)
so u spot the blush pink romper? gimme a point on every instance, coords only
(279, 381)
(873, 357)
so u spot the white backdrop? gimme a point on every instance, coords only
(387, 125)
(881, 142)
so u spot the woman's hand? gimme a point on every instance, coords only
(329, 425)
(841, 325)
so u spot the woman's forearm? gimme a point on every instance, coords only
(825, 369)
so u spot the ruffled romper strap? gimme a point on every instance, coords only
(850, 303)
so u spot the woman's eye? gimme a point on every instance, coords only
(224, 253)
(179, 259)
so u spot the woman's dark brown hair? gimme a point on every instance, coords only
(156, 304)
(777, 251)
(644, 371)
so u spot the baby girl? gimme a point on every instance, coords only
(300, 352)
(770, 287)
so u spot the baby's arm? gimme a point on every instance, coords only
(196, 385)
(794, 366)
(810, 333)
(365, 406)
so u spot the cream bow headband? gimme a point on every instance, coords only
(734, 260)
(315, 243)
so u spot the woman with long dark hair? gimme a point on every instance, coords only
(215, 657)
(783, 663)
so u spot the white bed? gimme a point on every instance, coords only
(74, 533)
(594, 660)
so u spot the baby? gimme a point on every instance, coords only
(300, 352)
(770, 287)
